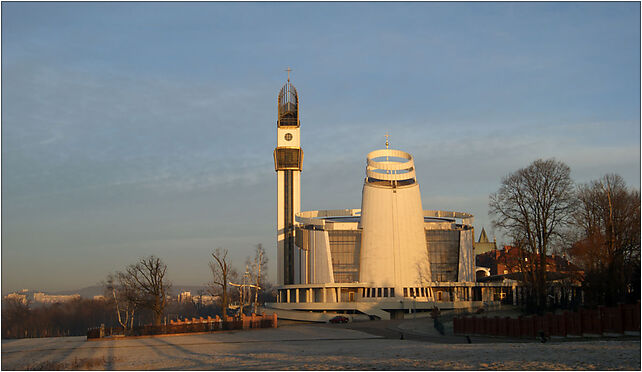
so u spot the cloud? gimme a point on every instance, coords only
(118, 131)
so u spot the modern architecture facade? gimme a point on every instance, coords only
(385, 259)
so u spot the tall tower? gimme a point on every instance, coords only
(393, 244)
(288, 157)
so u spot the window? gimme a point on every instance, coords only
(378, 292)
(443, 251)
(345, 246)
(392, 292)
(385, 292)
(287, 158)
(405, 292)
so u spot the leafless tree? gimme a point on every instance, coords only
(16, 316)
(122, 297)
(423, 269)
(146, 285)
(258, 270)
(534, 206)
(222, 274)
(609, 248)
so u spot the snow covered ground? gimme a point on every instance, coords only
(312, 347)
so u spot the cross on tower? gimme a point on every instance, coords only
(288, 70)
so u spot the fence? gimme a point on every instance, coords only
(603, 321)
(201, 324)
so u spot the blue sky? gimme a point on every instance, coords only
(131, 129)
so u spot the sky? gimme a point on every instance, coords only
(131, 129)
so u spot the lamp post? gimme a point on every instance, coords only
(414, 306)
(241, 290)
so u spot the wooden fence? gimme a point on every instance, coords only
(201, 324)
(603, 321)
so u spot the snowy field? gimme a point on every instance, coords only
(312, 347)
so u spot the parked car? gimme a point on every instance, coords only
(339, 319)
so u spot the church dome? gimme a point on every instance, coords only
(288, 103)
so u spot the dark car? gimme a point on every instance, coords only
(339, 319)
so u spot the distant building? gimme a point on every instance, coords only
(512, 264)
(483, 245)
(184, 297)
(100, 298)
(52, 299)
(207, 299)
(512, 260)
(18, 297)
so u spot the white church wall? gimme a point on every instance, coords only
(466, 257)
(321, 265)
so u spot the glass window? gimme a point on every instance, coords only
(443, 250)
(287, 158)
(345, 247)
(385, 292)
(392, 292)
(378, 292)
(405, 292)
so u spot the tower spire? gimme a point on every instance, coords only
(387, 143)
(288, 70)
(288, 158)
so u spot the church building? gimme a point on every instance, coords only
(384, 260)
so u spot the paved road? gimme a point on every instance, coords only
(421, 329)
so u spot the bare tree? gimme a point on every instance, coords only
(423, 269)
(199, 304)
(146, 286)
(259, 268)
(609, 248)
(222, 274)
(534, 206)
(16, 318)
(122, 296)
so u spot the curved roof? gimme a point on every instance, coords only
(353, 215)
(288, 103)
